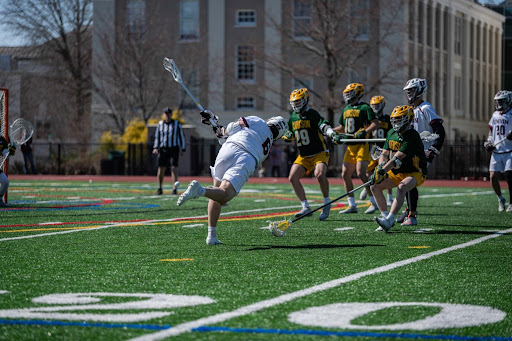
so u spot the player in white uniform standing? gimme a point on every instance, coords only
(425, 119)
(499, 143)
(246, 145)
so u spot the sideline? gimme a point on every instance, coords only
(251, 308)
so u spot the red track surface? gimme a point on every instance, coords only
(186, 179)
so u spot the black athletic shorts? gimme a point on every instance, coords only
(166, 154)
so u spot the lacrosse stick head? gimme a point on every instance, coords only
(278, 228)
(20, 131)
(171, 66)
(375, 152)
(428, 136)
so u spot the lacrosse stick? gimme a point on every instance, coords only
(171, 66)
(20, 132)
(503, 139)
(279, 227)
(375, 152)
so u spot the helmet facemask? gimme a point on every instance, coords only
(415, 88)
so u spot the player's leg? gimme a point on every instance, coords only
(508, 178)
(160, 175)
(220, 192)
(346, 173)
(4, 185)
(297, 171)
(413, 196)
(369, 171)
(175, 169)
(377, 191)
(497, 165)
(323, 182)
(164, 158)
(363, 160)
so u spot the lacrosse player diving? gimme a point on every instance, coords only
(246, 144)
(402, 164)
(425, 120)
(499, 143)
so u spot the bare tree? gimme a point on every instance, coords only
(60, 29)
(332, 41)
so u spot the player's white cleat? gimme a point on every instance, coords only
(325, 213)
(212, 241)
(384, 223)
(305, 211)
(509, 208)
(349, 209)
(501, 205)
(371, 209)
(363, 194)
(192, 192)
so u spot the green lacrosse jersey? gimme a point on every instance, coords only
(409, 143)
(356, 117)
(305, 128)
(382, 131)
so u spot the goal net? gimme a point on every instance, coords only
(4, 119)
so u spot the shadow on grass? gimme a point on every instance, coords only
(310, 246)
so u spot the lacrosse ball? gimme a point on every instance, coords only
(466, 178)
(90, 181)
(177, 184)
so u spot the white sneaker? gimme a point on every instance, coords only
(325, 213)
(363, 194)
(305, 211)
(350, 209)
(501, 205)
(378, 229)
(212, 241)
(384, 223)
(371, 209)
(509, 208)
(389, 203)
(192, 192)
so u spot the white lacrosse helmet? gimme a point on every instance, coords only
(278, 126)
(414, 88)
(503, 100)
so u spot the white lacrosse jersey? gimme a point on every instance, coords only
(500, 125)
(423, 115)
(255, 137)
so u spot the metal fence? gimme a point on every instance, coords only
(457, 159)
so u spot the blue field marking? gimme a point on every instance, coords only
(259, 330)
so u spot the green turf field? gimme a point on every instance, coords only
(113, 261)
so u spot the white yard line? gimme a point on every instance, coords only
(252, 308)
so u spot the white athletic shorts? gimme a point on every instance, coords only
(500, 162)
(234, 164)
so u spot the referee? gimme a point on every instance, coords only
(169, 144)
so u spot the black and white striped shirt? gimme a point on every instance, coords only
(169, 135)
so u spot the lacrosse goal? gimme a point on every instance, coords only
(4, 119)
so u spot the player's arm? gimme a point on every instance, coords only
(437, 128)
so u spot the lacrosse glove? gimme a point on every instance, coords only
(509, 135)
(361, 134)
(489, 146)
(378, 176)
(336, 138)
(12, 148)
(208, 116)
(288, 136)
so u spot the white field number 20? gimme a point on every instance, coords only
(338, 315)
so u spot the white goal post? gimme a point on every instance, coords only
(4, 120)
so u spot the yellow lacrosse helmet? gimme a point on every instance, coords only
(353, 91)
(401, 117)
(299, 98)
(377, 103)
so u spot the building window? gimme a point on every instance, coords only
(136, 19)
(458, 92)
(191, 78)
(457, 39)
(301, 18)
(245, 63)
(189, 20)
(244, 103)
(246, 18)
(359, 19)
